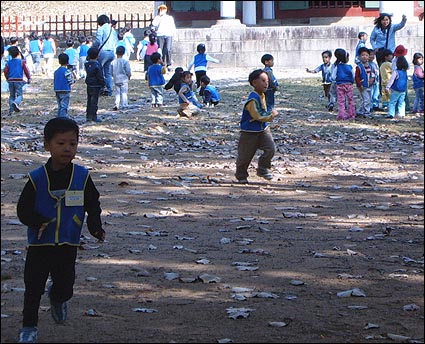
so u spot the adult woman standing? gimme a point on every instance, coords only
(106, 41)
(165, 29)
(383, 34)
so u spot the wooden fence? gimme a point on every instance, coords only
(66, 26)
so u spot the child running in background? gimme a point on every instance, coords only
(200, 63)
(326, 69)
(385, 72)
(398, 86)
(121, 74)
(73, 58)
(156, 81)
(62, 81)
(418, 83)
(82, 54)
(255, 131)
(268, 61)
(343, 75)
(189, 105)
(53, 205)
(210, 95)
(17, 75)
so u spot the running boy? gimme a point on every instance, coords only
(255, 131)
(53, 204)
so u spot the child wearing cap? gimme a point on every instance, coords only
(399, 51)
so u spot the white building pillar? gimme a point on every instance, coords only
(268, 10)
(249, 12)
(228, 15)
(227, 9)
(397, 9)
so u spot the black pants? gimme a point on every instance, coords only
(59, 262)
(92, 102)
(199, 75)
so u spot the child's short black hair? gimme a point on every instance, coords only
(255, 75)
(364, 49)
(13, 51)
(63, 59)
(186, 72)
(205, 79)
(60, 125)
(387, 52)
(69, 43)
(416, 57)
(361, 34)
(266, 57)
(327, 52)
(201, 48)
(178, 70)
(93, 53)
(155, 57)
(120, 50)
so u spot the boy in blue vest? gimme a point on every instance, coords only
(53, 205)
(210, 95)
(17, 74)
(62, 81)
(268, 61)
(255, 131)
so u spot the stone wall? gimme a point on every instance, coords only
(295, 47)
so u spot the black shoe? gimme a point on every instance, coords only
(16, 107)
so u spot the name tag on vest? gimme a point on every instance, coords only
(74, 198)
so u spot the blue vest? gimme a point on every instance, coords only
(34, 47)
(47, 47)
(16, 70)
(60, 82)
(344, 74)
(72, 56)
(215, 96)
(189, 94)
(66, 229)
(246, 120)
(83, 50)
(200, 60)
(400, 84)
(417, 82)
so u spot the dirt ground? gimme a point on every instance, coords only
(330, 251)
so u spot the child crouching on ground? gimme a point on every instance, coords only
(210, 95)
(189, 105)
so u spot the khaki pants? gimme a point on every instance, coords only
(248, 145)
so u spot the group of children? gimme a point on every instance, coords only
(386, 84)
(59, 194)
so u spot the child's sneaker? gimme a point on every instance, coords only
(28, 335)
(59, 310)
